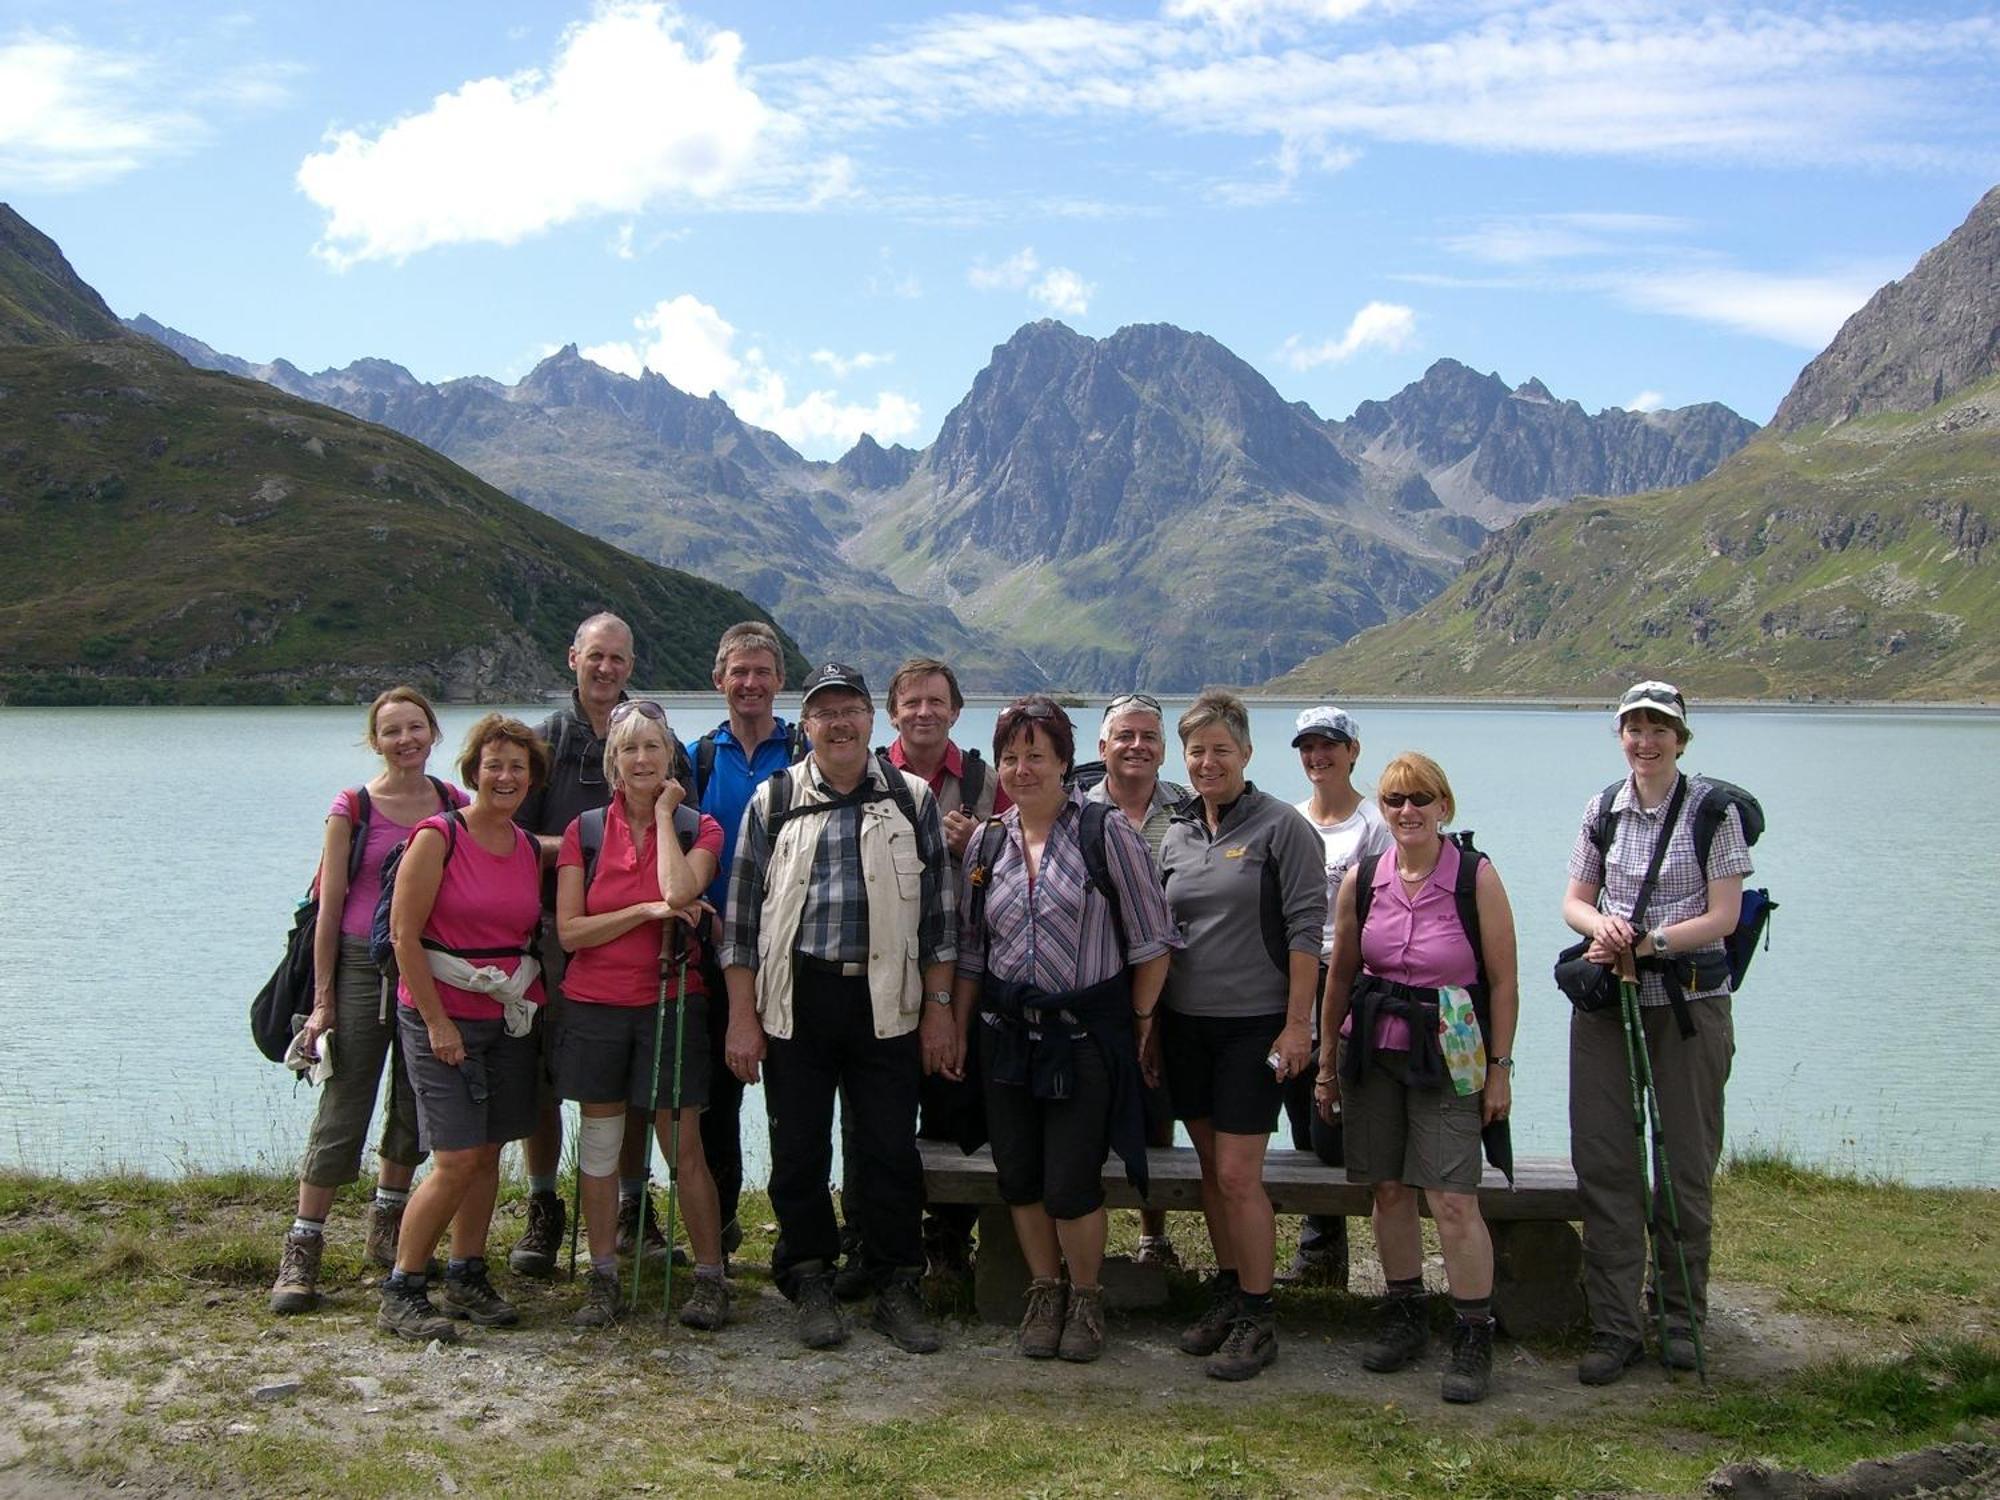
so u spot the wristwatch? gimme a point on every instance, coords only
(939, 997)
(1501, 1062)
(1659, 937)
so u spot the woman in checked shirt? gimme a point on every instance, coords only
(1061, 978)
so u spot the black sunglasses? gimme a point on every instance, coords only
(1126, 700)
(626, 707)
(1415, 799)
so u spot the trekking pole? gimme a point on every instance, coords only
(1639, 1074)
(646, 1147)
(678, 941)
(575, 1189)
(1671, 1206)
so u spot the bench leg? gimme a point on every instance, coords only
(1000, 1274)
(1537, 1276)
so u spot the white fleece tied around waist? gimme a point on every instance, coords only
(509, 989)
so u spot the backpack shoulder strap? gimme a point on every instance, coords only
(687, 825)
(899, 788)
(1602, 830)
(1465, 895)
(796, 746)
(704, 765)
(972, 780)
(357, 844)
(1097, 860)
(985, 852)
(590, 837)
(1364, 890)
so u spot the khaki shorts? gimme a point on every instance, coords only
(1425, 1138)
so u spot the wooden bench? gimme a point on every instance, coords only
(1537, 1253)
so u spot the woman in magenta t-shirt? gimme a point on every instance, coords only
(348, 1000)
(464, 915)
(654, 858)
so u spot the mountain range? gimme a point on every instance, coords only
(1847, 552)
(181, 535)
(1143, 509)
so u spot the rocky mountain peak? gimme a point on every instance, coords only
(1917, 340)
(870, 466)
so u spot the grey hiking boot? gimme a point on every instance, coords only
(1678, 1351)
(1401, 1336)
(1323, 1262)
(1251, 1345)
(707, 1306)
(1469, 1374)
(468, 1294)
(1607, 1359)
(656, 1237)
(385, 1228)
(899, 1315)
(819, 1321)
(535, 1252)
(1083, 1328)
(601, 1305)
(1206, 1333)
(1157, 1250)
(297, 1288)
(1042, 1326)
(406, 1312)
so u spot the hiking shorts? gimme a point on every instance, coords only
(487, 1100)
(1424, 1138)
(1215, 1070)
(604, 1054)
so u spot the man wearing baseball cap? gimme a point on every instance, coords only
(838, 950)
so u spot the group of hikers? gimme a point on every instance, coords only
(1061, 960)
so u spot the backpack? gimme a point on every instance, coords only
(289, 990)
(1717, 797)
(680, 768)
(687, 827)
(703, 767)
(1464, 895)
(1096, 861)
(779, 810)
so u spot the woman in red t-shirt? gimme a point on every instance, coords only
(652, 859)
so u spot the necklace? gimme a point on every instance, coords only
(1409, 879)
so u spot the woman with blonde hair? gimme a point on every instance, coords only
(350, 1005)
(1421, 992)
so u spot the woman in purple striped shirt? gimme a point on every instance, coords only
(1062, 971)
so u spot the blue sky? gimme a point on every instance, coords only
(832, 213)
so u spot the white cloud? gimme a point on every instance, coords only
(73, 116)
(692, 345)
(1530, 239)
(621, 243)
(1805, 310)
(636, 109)
(1056, 288)
(1378, 325)
(1646, 401)
(844, 365)
(1294, 157)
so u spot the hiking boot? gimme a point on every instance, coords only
(468, 1294)
(707, 1306)
(1157, 1250)
(1042, 1327)
(899, 1314)
(1206, 1333)
(385, 1228)
(1252, 1344)
(947, 1251)
(535, 1253)
(1083, 1328)
(1323, 1262)
(1607, 1359)
(1468, 1375)
(656, 1237)
(820, 1323)
(854, 1280)
(1401, 1336)
(406, 1312)
(1678, 1350)
(601, 1303)
(297, 1288)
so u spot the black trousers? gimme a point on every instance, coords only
(722, 1121)
(1316, 1231)
(832, 1047)
(942, 1107)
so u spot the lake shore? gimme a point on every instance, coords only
(1853, 1320)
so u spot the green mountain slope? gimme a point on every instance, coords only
(1852, 562)
(175, 534)
(42, 299)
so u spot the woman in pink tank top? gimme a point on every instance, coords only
(1426, 1033)
(464, 914)
(347, 999)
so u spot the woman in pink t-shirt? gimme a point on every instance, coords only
(653, 858)
(348, 1000)
(1426, 1029)
(464, 915)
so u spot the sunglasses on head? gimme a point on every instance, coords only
(1415, 799)
(1127, 700)
(646, 707)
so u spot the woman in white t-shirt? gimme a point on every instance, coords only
(1329, 743)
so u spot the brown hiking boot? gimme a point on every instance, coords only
(297, 1288)
(707, 1306)
(385, 1227)
(407, 1312)
(1083, 1329)
(1251, 1345)
(1401, 1336)
(601, 1306)
(468, 1294)
(1206, 1333)
(534, 1254)
(819, 1322)
(1042, 1327)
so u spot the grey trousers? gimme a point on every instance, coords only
(362, 1043)
(1688, 1076)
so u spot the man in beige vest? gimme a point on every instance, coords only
(838, 949)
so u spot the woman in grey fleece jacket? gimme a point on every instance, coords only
(1246, 883)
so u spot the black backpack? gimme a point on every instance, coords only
(779, 810)
(1464, 895)
(1716, 798)
(703, 766)
(687, 828)
(1096, 861)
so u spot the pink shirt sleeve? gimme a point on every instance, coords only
(571, 852)
(709, 837)
(343, 804)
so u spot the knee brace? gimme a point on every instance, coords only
(598, 1142)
